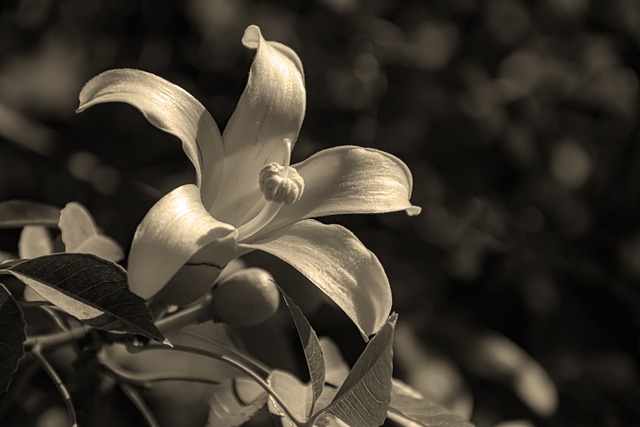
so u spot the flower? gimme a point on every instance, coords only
(248, 197)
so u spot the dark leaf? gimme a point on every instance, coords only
(409, 409)
(235, 402)
(363, 399)
(18, 213)
(90, 288)
(12, 327)
(312, 350)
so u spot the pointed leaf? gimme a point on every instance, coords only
(12, 327)
(409, 409)
(18, 213)
(235, 402)
(363, 399)
(312, 350)
(90, 288)
(295, 394)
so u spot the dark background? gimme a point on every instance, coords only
(519, 122)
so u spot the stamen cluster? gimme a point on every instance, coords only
(281, 184)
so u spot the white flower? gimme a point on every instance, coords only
(247, 197)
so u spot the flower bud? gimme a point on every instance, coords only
(247, 297)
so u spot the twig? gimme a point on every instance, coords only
(244, 358)
(57, 338)
(143, 380)
(36, 352)
(238, 365)
(138, 402)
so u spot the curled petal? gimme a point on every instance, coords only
(178, 230)
(169, 108)
(340, 265)
(349, 180)
(271, 109)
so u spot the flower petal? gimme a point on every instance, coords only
(349, 180)
(169, 108)
(337, 263)
(271, 108)
(178, 229)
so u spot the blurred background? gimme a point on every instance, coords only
(518, 286)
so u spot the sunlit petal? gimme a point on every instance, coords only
(270, 109)
(349, 180)
(175, 231)
(340, 265)
(169, 108)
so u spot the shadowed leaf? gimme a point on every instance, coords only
(364, 397)
(312, 350)
(12, 327)
(90, 288)
(19, 213)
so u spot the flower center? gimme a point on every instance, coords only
(281, 185)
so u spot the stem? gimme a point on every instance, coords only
(56, 339)
(143, 380)
(241, 367)
(36, 352)
(139, 403)
(244, 358)
(195, 314)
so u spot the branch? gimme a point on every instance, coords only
(241, 367)
(56, 339)
(36, 352)
(143, 380)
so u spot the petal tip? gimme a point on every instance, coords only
(413, 210)
(252, 37)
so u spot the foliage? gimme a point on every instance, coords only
(517, 118)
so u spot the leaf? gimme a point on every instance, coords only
(18, 213)
(409, 409)
(81, 235)
(235, 402)
(336, 368)
(90, 288)
(312, 350)
(13, 335)
(364, 397)
(34, 241)
(297, 395)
